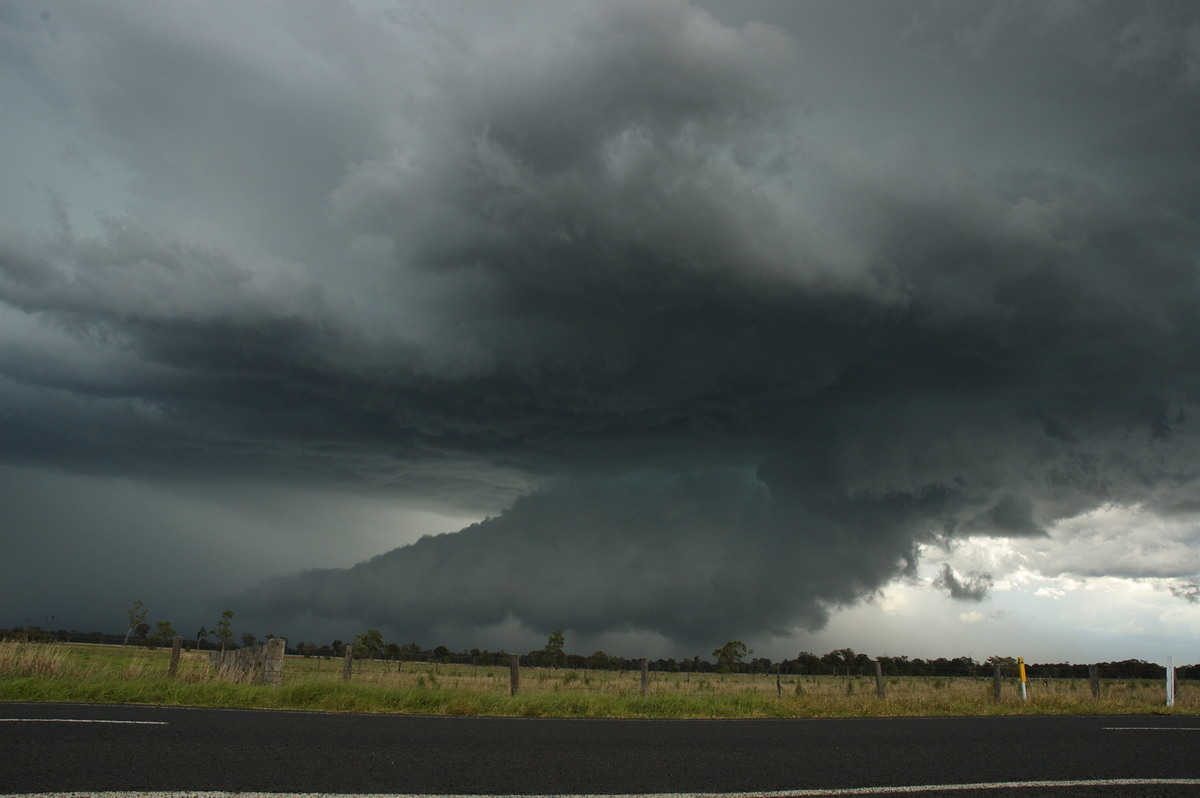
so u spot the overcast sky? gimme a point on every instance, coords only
(812, 324)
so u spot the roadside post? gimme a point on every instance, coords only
(272, 662)
(1021, 671)
(176, 647)
(1171, 681)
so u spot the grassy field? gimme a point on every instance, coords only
(112, 674)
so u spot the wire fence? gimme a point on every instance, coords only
(838, 674)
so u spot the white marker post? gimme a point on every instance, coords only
(1171, 681)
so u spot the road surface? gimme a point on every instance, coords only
(89, 749)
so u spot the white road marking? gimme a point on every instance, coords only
(898, 789)
(83, 720)
(1150, 728)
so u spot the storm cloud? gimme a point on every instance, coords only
(974, 588)
(717, 313)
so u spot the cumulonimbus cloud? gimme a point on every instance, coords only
(658, 295)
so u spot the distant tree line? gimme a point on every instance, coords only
(140, 632)
(732, 657)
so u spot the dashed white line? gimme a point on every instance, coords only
(1150, 728)
(893, 790)
(83, 720)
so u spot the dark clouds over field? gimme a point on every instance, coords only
(718, 312)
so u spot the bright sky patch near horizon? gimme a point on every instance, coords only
(811, 324)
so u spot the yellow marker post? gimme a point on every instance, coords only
(1021, 671)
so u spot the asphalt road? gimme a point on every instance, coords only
(46, 748)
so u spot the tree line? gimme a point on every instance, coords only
(140, 632)
(732, 657)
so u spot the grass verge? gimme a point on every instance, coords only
(52, 672)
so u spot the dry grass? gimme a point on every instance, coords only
(80, 672)
(27, 659)
(830, 689)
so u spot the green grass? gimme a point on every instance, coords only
(110, 674)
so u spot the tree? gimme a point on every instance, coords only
(165, 635)
(807, 662)
(137, 615)
(248, 640)
(224, 630)
(731, 655)
(840, 657)
(141, 630)
(200, 635)
(760, 665)
(369, 644)
(554, 648)
(1008, 665)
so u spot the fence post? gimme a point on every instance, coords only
(879, 691)
(176, 646)
(514, 673)
(778, 683)
(272, 669)
(996, 682)
(1094, 680)
(347, 662)
(1171, 681)
(645, 675)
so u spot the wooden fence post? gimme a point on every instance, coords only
(176, 646)
(645, 676)
(996, 682)
(272, 669)
(879, 690)
(348, 662)
(778, 683)
(514, 673)
(1094, 680)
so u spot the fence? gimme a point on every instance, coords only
(859, 687)
(257, 664)
(992, 684)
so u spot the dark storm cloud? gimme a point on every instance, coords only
(1189, 592)
(693, 557)
(745, 312)
(974, 588)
